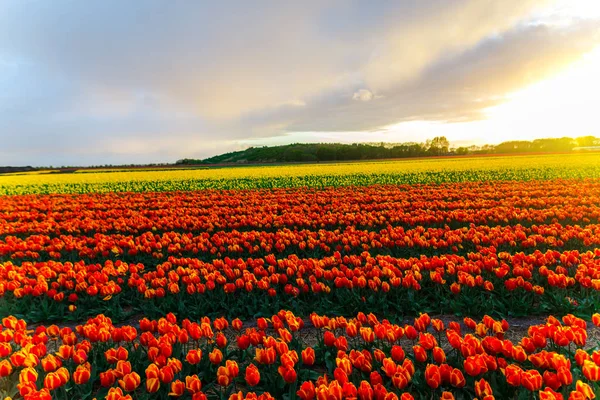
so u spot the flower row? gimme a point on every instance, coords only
(568, 281)
(361, 357)
(348, 241)
(464, 203)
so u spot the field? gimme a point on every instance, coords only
(371, 280)
(411, 171)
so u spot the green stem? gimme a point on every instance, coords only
(292, 392)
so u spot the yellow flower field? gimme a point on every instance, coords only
(428, 170)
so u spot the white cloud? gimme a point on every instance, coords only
(102, 72)
(363, 95)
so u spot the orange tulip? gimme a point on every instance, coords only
(81, 375)
(581, 356)
(551, 380)
(152, 385)
(577, 396)
(52, 381)
(345, 364)
(591, 371)
(585, 390)
(177, 388)
(472, 366)
(308, 356)
(116, 393)
(329, 339)
(221, 340)
(237, 324)
(232, 368)
(288, 374)
(399, 380)
(5, 349)
(367, 334)
(564, 375)
(513, 375)
(130, 382)
(122, 368)
(438, 355)
(194, 356)
(483, 388)
(80, 357)
(531, 380)
(152, 371)
(549, 394)
(365, 391)
(107, 379)
(5, 368)
(252, 375)
(433, 376)
(306, 391)
(340, 376)
(457, 379)
(266, 356)
(193, 384)
(397, 353)
(28, 375)
(223, 377)
(51, 363)
(166, 374)
(215, 356)
(420, 353)
(175, 364)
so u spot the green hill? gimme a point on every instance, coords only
(439, 146)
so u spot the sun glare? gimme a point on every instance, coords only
(564, 105)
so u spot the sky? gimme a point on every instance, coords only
(116, 82)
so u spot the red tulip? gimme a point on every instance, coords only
(130, 382)
(433, 376)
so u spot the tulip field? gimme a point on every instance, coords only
(382, 280)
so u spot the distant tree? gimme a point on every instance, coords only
(326, 153)
(461, 151)
(293, 155)
(586, 141)
(513, 146)
(439, 145)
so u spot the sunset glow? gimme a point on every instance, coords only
(112, 82)
(564, 105)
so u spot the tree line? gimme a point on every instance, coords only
(438, 146)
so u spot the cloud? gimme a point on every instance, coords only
(363, 95)
(105, 79)
(458, 88)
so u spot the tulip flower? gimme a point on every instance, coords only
(81, 375)
(193, 384)
(215, 356)
(308, 356)
(433, 376)
(252, 375)
(177, 388)
(306, 391)
(130, 382)
(152, 385)
(288, 374)
(483, 388)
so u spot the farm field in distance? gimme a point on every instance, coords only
(473, 277)
(407, 171)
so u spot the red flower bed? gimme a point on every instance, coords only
(361, 357)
